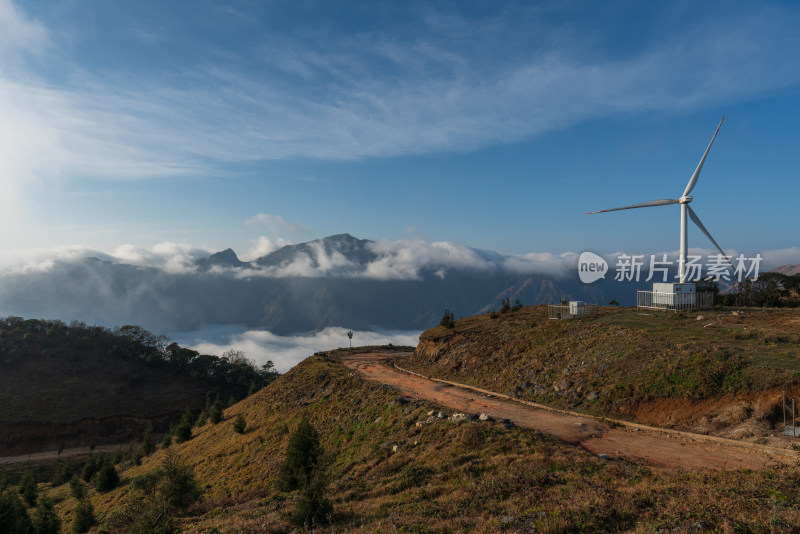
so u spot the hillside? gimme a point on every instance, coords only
(788, 270)
(712, 372)
(75, 384)
(442, 477)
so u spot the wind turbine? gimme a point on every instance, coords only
(684, 201)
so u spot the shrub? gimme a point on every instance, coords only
(28, 487)
(302, 469)
(215, 412)
(84, 517)
(240, 424)
(202, 419)
(77, 488)
(45, 519)
(90, 468)
(448, 319)
(107, 478)
(302, 457)
(183, 432)
(179, 486)
(164, 490)
(13, 515)
(148, 443)
(313, 508)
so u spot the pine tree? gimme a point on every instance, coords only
(302, 469)
(28, 487)
(302, 456)
(183, 432)
(13, 515)
(215, 412)
(84, 517)
(77, 488)
(107, 478)
(45, 519)
(240, 424)
(148, 443)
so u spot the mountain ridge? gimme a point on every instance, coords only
(338, 280)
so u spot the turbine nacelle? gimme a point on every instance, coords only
(685, 199)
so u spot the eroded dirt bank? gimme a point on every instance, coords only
(715, 372)
(670, 450)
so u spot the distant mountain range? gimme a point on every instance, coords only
(336, 281)
(788, 270)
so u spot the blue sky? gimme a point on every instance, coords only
(492, 124)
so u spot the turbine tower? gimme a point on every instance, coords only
(684, 201)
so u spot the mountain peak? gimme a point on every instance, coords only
(224, 258)
(354, 249)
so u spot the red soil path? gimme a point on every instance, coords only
(666, 448)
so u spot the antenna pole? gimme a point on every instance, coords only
(784, 408)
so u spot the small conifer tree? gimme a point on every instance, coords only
(13, 515)
(148, 443)
(76, 487)
(28, 487)
(183, 432)
(302, 469)
(240, 424)
(107, 478)
(84, 517)
(45, 519)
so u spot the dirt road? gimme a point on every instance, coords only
(66, 454)
(656, 446)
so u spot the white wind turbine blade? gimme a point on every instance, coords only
(696, 175)
(661, 202)
(696, 220)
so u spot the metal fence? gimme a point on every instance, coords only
(674, 301)
(568, 311)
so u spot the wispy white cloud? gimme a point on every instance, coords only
(19, 33)
(372, 96)
(276, 224)
(174, 258)
(393, 260)
(262, 246)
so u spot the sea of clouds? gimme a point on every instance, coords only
(284, 351)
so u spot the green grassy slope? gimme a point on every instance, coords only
(625, 362)
(443, 477)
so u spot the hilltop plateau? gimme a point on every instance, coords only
(718, 372)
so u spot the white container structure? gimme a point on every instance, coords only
(575, 308)
(675, 297)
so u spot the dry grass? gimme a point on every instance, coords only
(444, 477)
(612, 363)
